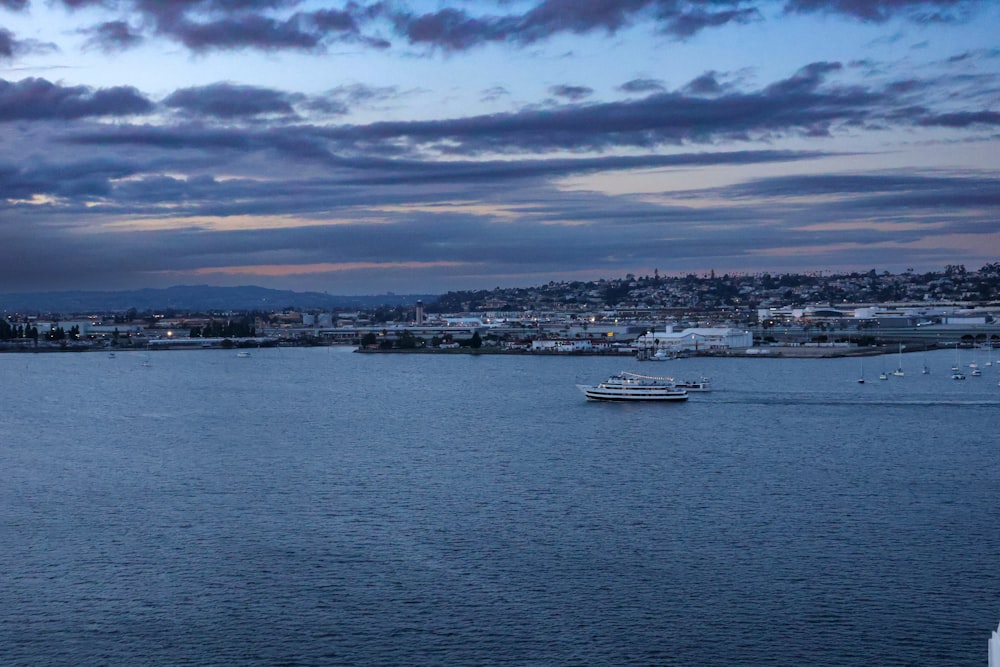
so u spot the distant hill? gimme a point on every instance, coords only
(197, 298)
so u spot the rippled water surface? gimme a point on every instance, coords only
(319, 507)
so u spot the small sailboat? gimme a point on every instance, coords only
(899, 369)
(861, 378)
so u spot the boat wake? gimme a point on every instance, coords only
(828, 400)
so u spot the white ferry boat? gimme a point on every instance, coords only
(634, 387)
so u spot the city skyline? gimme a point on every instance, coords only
(427, 147)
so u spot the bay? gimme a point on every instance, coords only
(319, 507)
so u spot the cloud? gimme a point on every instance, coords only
(11, 47)
(879, 11)
(493, 94)
(241, 32)
(684, 24)
(8, 43)
(705, 85)
(573, 93)
(962, 119)
(272, 25)
(642, 86)
(80, 180)
(225, 100)
(807, 104)
(113, 36)
(38, 99)
(799, 105)
(456, 30)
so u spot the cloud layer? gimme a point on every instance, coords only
(229, 182)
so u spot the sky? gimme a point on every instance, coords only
(422, 147)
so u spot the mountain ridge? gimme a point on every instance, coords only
(196, 298)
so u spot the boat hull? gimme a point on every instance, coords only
(632, 394)
(694, 386)
(598, 394)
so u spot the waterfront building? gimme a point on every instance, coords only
(699, 339)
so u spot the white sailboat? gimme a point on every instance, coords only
(956, 372)
(899, 369)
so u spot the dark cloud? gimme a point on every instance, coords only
(14, 5)
(962, 119)
(11, 47)
(79, 180)
(806, 80)
(797, 105)
(205, 25)
(224, 100)
(333, 20)
(642, 86)
(805, 104)
(8, 43)
(494, 93)
(706, 85)
(573, 93)
(879, 11)
(851, 185)
(114, 36)
(456, 30)
(251, 31)
(688, 23)
(38, 99)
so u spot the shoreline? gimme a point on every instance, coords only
(761, 352)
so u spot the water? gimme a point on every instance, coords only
(318, 507)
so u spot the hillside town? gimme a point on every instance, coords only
(783, 314)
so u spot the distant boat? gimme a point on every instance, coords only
(861, 378)
(899, 370)
(243, 355)
(956, 370)
(883, 376)
(694, 385)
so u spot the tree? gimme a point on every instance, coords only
(476, 341)
(407, 341)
